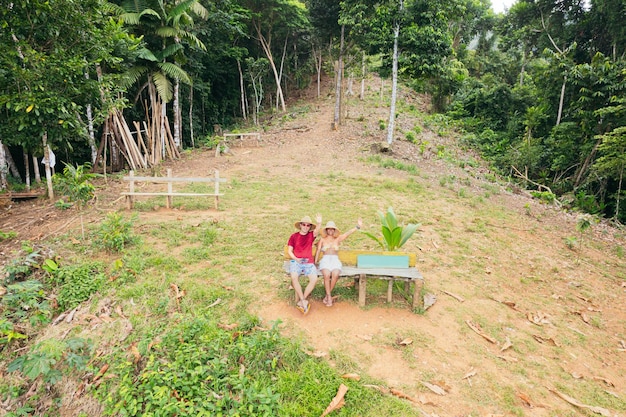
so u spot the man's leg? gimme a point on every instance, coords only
(295, 283)
(309, 288)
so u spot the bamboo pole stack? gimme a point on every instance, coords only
(150, 142)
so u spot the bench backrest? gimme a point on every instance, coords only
(349, 256)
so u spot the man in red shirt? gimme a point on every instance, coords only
(300, 249)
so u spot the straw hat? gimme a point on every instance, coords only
(305, 219)
(331, 225)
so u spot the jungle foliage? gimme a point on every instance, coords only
(538, 90)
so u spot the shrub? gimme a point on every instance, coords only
(75, 183)
(115, 232)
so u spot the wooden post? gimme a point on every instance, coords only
(169, 189)
(217, 189)
(390, 290)
(362, 293)
(417, 294)
(129, 198)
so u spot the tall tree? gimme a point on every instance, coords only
(275, 19)
(45, 50)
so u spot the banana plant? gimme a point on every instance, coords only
(394, 236)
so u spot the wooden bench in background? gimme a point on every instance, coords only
(170, 193)
(389, 266)
(231, 138)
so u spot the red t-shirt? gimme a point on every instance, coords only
(302, 245)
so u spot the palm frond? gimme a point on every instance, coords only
(130, 18)
(132, 75)
(114, 9)
(174, 71)
(148, 55)
(163, 86)
(135, 6)
(170, 50)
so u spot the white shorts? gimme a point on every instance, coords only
(330, 262)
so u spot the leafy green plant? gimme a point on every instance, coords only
(7, 235)
(394, 236)
(584, 223)
(570, 242)
(75, 183)
(24, 300)
(62, 205)
(78, 283)
(22, 268)
(47, 359)
(8, 333)
(546, 197)
(115, 232)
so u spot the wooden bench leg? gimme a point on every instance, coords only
(417, 294)
(390, 291)
(362, 290)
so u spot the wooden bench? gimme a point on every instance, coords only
(170, 193)
(242, 136)
(349, 259)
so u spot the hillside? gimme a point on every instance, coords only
(553, 318)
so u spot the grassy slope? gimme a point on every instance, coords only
(560, 309)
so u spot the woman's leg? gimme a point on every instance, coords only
(326, 273)
(334, 276)
(334, 279)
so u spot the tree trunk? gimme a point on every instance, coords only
(26, 169)
(619, 191)
(317, 56)
(350, 82)
(242, 90)
(92, 138)
(11, 163)
(162, 121)
(36, 170)
(362, 94)
(339, 81)
(193, 144)
(585, 166)
(265, 45)
(4, 184)
(280, 73)
(394, 85)
(523, 69)
(177, 136)
(561, 100)
(46, 157)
